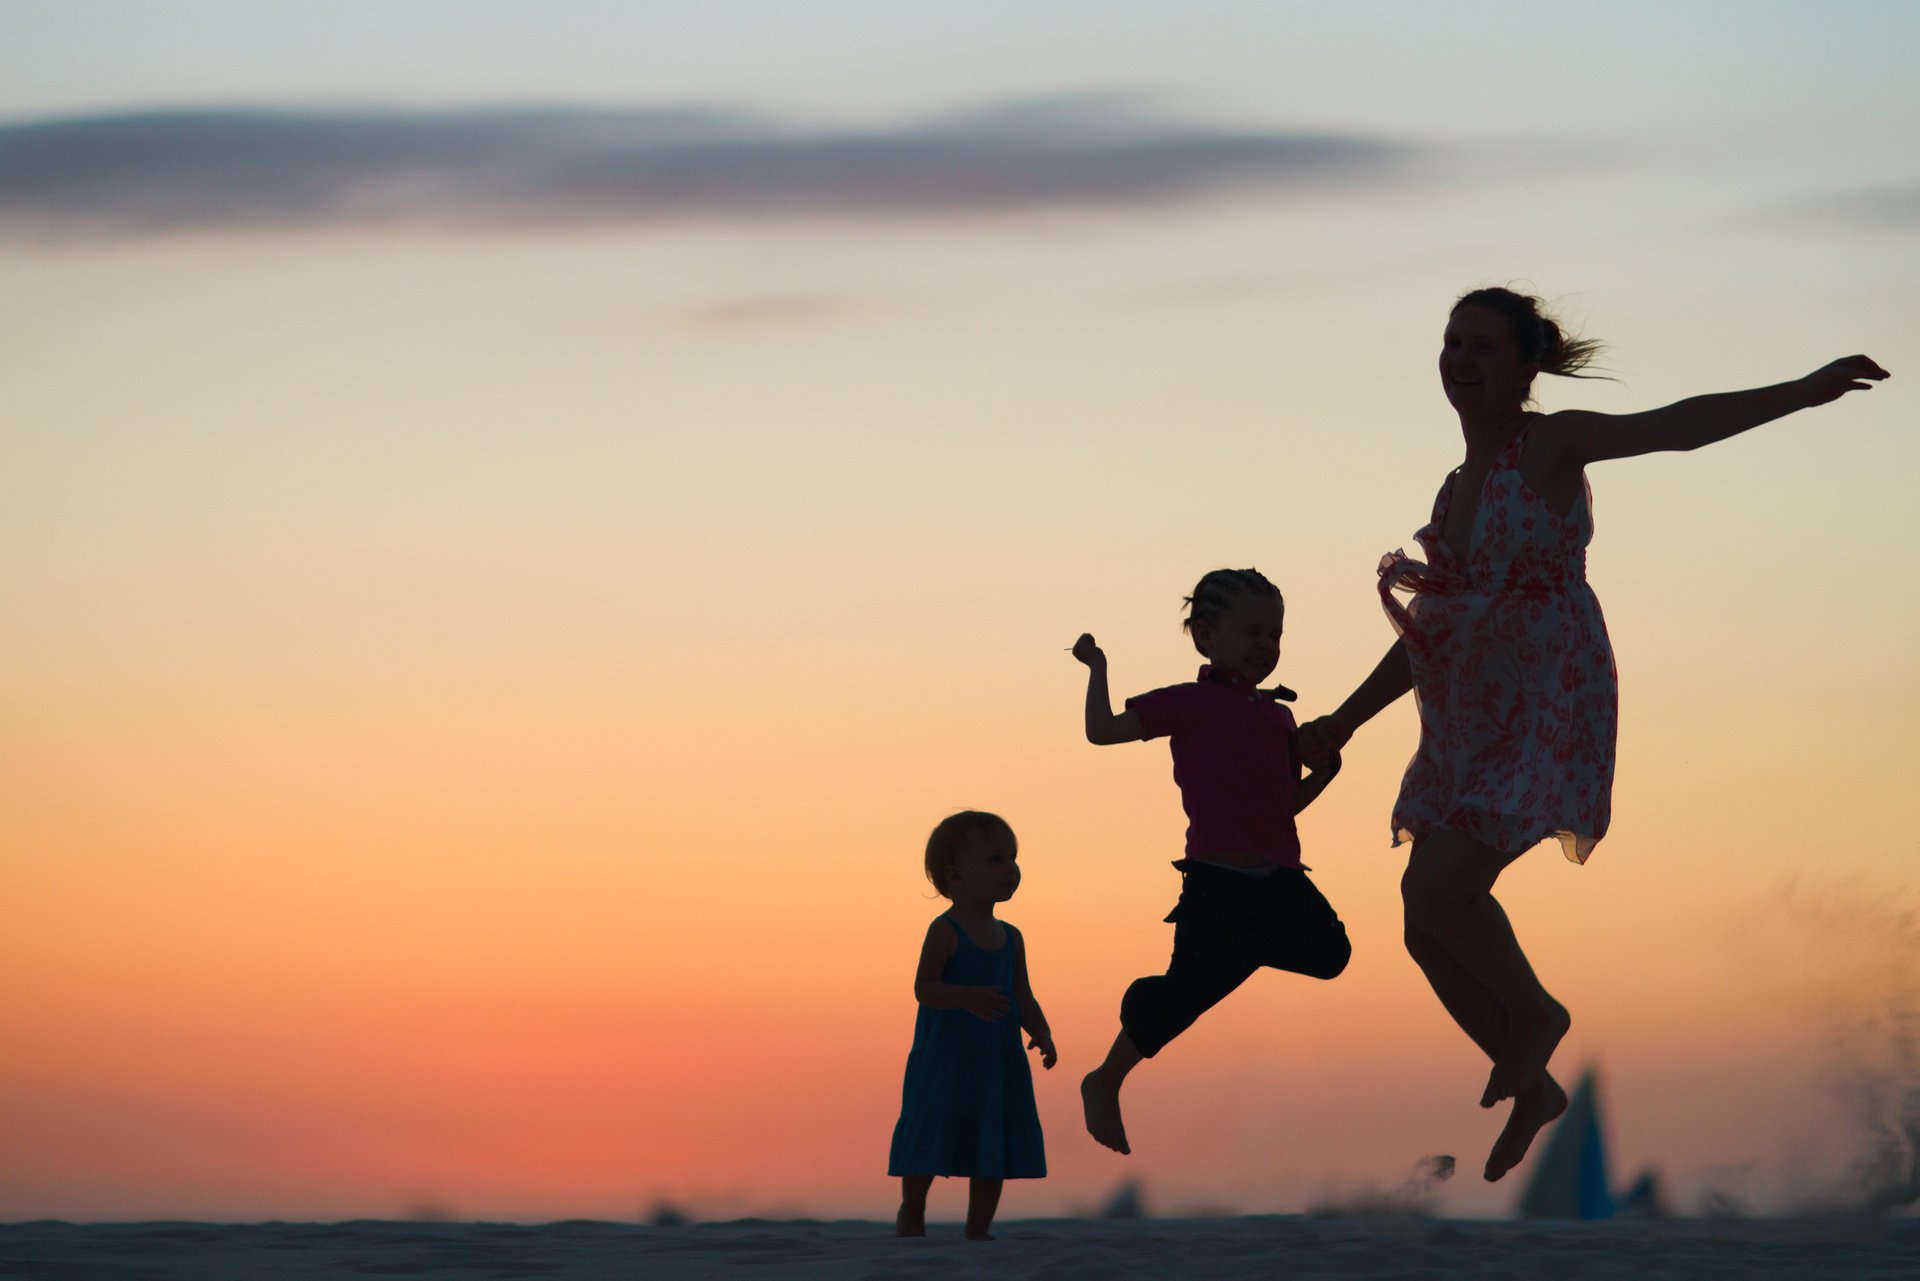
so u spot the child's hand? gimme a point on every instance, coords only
(1318, 738)
(1328, 763)
(1043, 1042)
(1087, 652)
(988, 1004)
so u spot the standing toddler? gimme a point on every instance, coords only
(967, 1106)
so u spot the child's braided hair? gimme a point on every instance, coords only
(1216, 593)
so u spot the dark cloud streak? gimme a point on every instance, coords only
(1883, 209)
(223, 170)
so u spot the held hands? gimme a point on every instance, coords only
(1043, 1042)
(988, 1004)
(1850, 373)
(1319, 742)
(1087, 652)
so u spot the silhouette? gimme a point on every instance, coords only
(967, 1105)
(1505, 648)
(1245, 901)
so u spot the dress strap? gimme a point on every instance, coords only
(953, 923)
(1519, 441)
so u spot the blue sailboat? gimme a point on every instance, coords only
(1572, 1179)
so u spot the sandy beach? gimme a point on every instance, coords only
(1348, 1247)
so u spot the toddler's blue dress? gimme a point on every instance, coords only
(967, 1107)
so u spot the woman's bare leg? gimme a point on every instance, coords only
(1481, 1016)
(983, 1198)
(912, 1219)
(1447, 890)
(1472, 1005)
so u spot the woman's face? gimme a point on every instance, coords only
(1480, 367)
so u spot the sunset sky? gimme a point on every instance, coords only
(515, 520)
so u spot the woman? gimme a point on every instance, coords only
(1504, 646)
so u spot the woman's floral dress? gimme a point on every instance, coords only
(1512, 673)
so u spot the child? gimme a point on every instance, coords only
(1245, 900)
(967, 1105)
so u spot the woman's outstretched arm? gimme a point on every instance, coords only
(1391, 677)
(1577, 437)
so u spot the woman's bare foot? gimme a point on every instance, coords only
(1533, 1109)
(981, 1235)
(1100, 1100)
(910, 1222)
(1530, 1044)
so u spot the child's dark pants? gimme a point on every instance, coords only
(1227, 925)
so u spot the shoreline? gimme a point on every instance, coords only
(1364, 1245)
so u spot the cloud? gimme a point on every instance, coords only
(1879, 209)
(768, 310)
(153, 173)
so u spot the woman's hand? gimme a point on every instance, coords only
(1087, 652)
(1831, 382)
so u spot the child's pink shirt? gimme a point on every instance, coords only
(1233, 760)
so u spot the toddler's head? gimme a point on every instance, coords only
(1235, 617)
(973, 853)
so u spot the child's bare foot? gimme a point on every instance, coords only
(1529, 1046)
(910, 1222)
(1101, 1102)
(1532, 1110)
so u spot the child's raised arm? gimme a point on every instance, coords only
(1032, 1021)
(1103, 727)
(978, 999)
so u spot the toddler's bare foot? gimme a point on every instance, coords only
(1529, 1046)
(1101, 1103)
(1532, 1110)
(910, 1222)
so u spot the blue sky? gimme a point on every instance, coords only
(1478, 68)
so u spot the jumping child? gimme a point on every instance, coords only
(1245, 900)
(967, 1104)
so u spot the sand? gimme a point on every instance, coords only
(1231, 1249)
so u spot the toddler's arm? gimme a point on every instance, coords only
(1103, 727)
(978, 999)
(1031, 1019)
